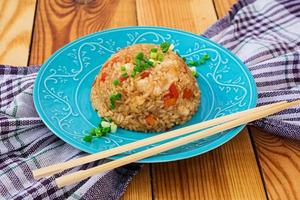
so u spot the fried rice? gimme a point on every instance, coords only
(152, 99)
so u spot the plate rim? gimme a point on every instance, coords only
(165, 158)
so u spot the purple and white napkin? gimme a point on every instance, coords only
(265, 34)
(26, 144)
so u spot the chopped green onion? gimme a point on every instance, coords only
(133, 73)
(112, 105)
(138, 62)
(165, 46)
(193, 69)
(105, 130)
(118, 96)
(124, 75)
(206, 57)
(201, 61)
(107, 119)
(153, 55)
(87, 138)
(93, 131)
(160, 57)
(149, 61)
(184, 59)
(139, 56)
(153, 62)
(154, 50)
(143, 66)
(105, 124)
(98, 132)
(123, 68)
(195, 74)
(137, 69)
(116, 82)
(113, 127)
(193, 63)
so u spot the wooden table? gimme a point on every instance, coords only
(253, 165)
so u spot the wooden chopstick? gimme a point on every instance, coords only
(50, 170)
(83, 174)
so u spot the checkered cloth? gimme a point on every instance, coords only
(263, 33)
(26, 144)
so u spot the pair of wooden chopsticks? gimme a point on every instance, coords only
(217, 125)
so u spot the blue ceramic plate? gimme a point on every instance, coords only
(62, 88)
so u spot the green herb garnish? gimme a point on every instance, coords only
(137, 68)
(124, 75)
(118, 96)
(206, 56)
(123, 68)
(99, 132)
(193, 63)
(93, 132)
(133, 73)
(195, 74)
(106, 126)
(160, 57)
(201, 61)
(153, 55)
(112, 105)
(165, 46)
(139, 56)
(116, 82)
(154, 50)
(88, 138)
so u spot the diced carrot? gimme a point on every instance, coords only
(121, 79)
(115, 59)
(103, 76)
(170, 102)
(127, 59)
(187, 93)
(145, 74)
(168, 96)
(150, 120)
(173, 90)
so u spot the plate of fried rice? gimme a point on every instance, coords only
(121, 85)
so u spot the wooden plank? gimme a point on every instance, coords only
(140, 188)
(229, 172)
(59, 22)
(279, 158)
(16, 20)
(223, 6)
(280, 163)
(194, 16)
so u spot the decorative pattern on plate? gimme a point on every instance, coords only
(62, 89)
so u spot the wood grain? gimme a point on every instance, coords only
(229, 172)
(280, 163)
(223, 6)
(16, 21)
(279, 158)
(59, 22)
(191, 15)
(140, 188)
